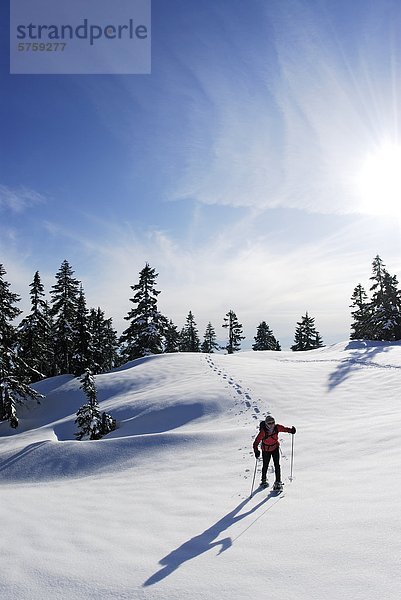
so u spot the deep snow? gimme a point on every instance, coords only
(160, 508)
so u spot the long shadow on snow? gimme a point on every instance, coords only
(204, 541)
(163, 419)
(362, 356)
(49, 460)
(20, 455)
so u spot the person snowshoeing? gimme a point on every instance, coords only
(268, 438)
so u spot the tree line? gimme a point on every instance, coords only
(64, 336)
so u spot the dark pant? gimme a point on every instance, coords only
(276, 460)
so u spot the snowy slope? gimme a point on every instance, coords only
(160, 508)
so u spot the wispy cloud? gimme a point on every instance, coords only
(294, 135)
(19, 199)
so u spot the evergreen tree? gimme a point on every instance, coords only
(104, 342)
(171, 337)
(209, 344)
(91, 423)
(189, 337)
(361, 327)
(83, 351)
(144, 335)
(89, 419)
(110, 346)
(48, 342)
(64, 307)
(265, 339)
(386, 304)
(306, 336)
(234, 329)
(34, 333)
(14, 372)
(379, 273)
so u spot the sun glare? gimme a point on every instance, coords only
(379, 181)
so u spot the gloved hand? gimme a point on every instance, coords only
(257, 453)
(293, 430)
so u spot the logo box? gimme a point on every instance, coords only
(108, 37)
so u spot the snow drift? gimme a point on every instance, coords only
(160, 507)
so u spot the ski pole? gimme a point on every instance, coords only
(292, 456)
(254, 475)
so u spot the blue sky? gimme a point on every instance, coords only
(234, 168)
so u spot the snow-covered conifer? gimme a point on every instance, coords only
(83, 351)
(385, 304)
(92, 424)
(306, 336)
(264, 339)
(189, 336)
(144, 334)
(34, 333)
(104, 342)
(361, 326)
(171, 337)
(65, 294)
(209, 344)
(14, 372)
(234, 330)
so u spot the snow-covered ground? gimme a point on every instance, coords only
(160, 508)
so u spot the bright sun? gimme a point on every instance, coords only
(379, 181)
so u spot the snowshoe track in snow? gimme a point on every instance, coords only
(246, 408)
(247, 402)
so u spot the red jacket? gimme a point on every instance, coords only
(270, 442)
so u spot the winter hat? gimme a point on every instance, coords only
(269, 419)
